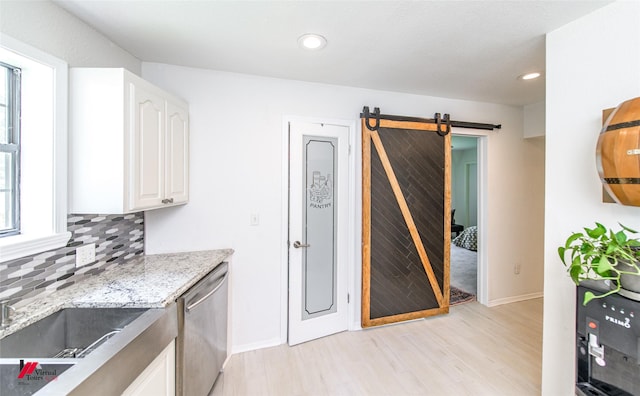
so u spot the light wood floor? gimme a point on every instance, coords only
(474, 350)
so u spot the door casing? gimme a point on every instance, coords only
(482, 293)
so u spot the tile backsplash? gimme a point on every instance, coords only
(117, 238)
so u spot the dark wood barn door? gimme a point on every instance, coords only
(406, 221)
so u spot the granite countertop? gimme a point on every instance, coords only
(153, 281)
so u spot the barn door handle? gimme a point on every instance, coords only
(299, 245)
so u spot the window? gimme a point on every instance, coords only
(33, 151)
(9, 150)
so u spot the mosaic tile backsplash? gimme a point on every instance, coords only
(117, 239)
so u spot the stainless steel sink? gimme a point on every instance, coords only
(103, 350)
(69, 333)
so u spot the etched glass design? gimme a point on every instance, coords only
(319, 227)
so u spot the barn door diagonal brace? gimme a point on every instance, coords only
(366, 114)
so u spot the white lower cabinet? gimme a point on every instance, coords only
(159, 378)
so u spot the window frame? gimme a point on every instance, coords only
(44, 228)
(13, 144)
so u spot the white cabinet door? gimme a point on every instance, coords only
(158, 379)
(177, 154)
(147, 148)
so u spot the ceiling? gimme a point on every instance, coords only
(472, 50)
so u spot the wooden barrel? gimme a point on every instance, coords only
(618, 153)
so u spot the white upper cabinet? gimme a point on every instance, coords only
(129, 143)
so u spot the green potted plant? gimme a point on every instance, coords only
(602, 254)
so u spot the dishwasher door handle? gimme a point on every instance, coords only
(195, 304)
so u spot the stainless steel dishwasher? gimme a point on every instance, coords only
(202, 333)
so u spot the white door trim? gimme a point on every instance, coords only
(482, 293)
(354, 214)
(483, 220)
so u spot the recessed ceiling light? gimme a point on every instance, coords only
(530, 76)
(312, 41)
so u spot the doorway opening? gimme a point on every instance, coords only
(467, 158)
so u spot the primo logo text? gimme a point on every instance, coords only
(624, 323)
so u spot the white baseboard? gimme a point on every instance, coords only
(508, 300)
(256, 345)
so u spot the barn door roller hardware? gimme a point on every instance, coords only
(367, 117)
(446, 119)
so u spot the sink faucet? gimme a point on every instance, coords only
(5, 310)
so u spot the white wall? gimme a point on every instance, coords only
(459, 161)
(534, 119)
(236, 169)
(592, 63)
(44, 25)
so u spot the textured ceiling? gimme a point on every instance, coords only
(472, 50)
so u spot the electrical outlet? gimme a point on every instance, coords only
(85, 254)
(516, 268)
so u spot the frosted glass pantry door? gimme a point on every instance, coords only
(317, 230)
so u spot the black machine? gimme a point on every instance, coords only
(607, 345)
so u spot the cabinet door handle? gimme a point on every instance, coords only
(167, 200)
